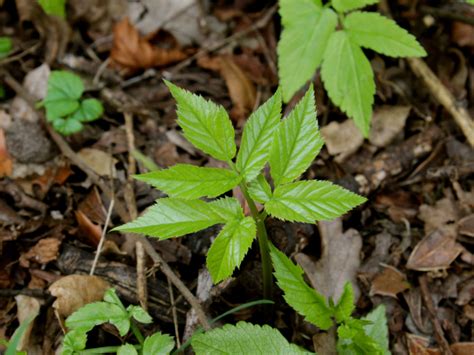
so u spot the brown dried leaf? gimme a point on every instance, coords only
(418, 345)
(43, 252)
(462, 34)
(387, 123)
(6, 162)
(389, 282)
(132, 51)
(462, 348)
(435, 251)
(339, 261)
(342, 139)
(101, 162)
(90, 231)
(74, 291)
(26, 307)
(466, 226)
(442, 213)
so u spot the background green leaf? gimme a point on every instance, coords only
(190, 182)
(306, 30)
(347, 5)
(349, 79)
(54, 7)
(244, 338)
(302, 298)
(127, 349)
(67, 126)
(257, 137)
(296, 143)
(378, 329)
(139, 314)
(229, 248)
(204, 124)
(158, 344)
(89, 110)
(311, 200)
(381, 34)
(6, 46)
(171, 217)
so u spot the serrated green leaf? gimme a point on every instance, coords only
(74, 341)
(139, 314)
(378, 329)
(349, 79)
(230, 247)
(348, 5)
(67, 126)
(190, 182)
(302, 298)
(127, 349)
(296, 143)
(227, 208)
(345, 306)
(381, 34)
(311, 200)
(244, 338)
(259, 189)
(204, 124)
(54, 7)
(159, 344)
(96, 313)
(306, 31)
(6, 46)
(352, 339)
(172, 217)
(89, 110)
(257, 137)
(111, 296)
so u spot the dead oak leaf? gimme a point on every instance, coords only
(43, 252)
(389, 282)
(132, 51)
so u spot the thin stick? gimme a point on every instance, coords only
(142, 289)
(173, 312)
(102, 237)
(444, 97)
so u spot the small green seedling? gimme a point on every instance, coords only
(112, 311)
(15, 339)
(6, 46)
(65, 109)
(368, 335)
(289, 146)
(54, 7)
(332, 36)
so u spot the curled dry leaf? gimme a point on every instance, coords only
(89, 230)
(132, 51)
(43, 252)
(387, 123)
(241, 90)
(389, 282)
(74, 291)
(435, 251)
(339, 262)
(342, 139)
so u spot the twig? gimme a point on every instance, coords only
(102, 237)
(448, 14)
(36, 293)
(142, 289)
(444, 97)
(425, 292)
(173, 312)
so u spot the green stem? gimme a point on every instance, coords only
(138, 334)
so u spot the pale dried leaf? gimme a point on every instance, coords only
(43, 252)
(101, 162)
(387, 123)
(342, 139)
(26, 307)
(74, 291)
(442, 213)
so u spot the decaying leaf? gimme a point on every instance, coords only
(89, 230)
(6, 162)
(387, 123)
(132, 51)
(74, 291)
(342, 139)
(339, 261)
(466, 225)
(27, 308)
(101, 162)
(435, 251)
(241, 90)
(389, 282)
(43, 252)
(442, 213)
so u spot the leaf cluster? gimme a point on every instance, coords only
(368, 335)
(315, 35)
(112, 311)
(288, 145)
(65, 109)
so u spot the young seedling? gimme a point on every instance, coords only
(289, 146)
(368, 335)
(6, 46)
(65, 109)
(332, 36)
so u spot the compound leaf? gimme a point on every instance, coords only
(349, 79)
(244, 338)
(204, 124)
(260, 190)
(381, 34)
(139, 314)
(190, 182)
(89, 110)
(228, 209)
(172, 217)
(306, 31)
(74, 341)
(229, 248)
(345, 306)
(257, 137)
(159, 344)
(348, 5)
(311, 200)
(296, 143)
(377, 329)
(67, 126)
(302, 298)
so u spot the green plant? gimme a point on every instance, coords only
(368, 335)
(332, 36)
(289, 146)
(64, 108)
(16, 337)
(54, 7)
(6, 46)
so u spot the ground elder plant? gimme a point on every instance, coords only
(65, 109)
(289, 146)
(332, 36)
